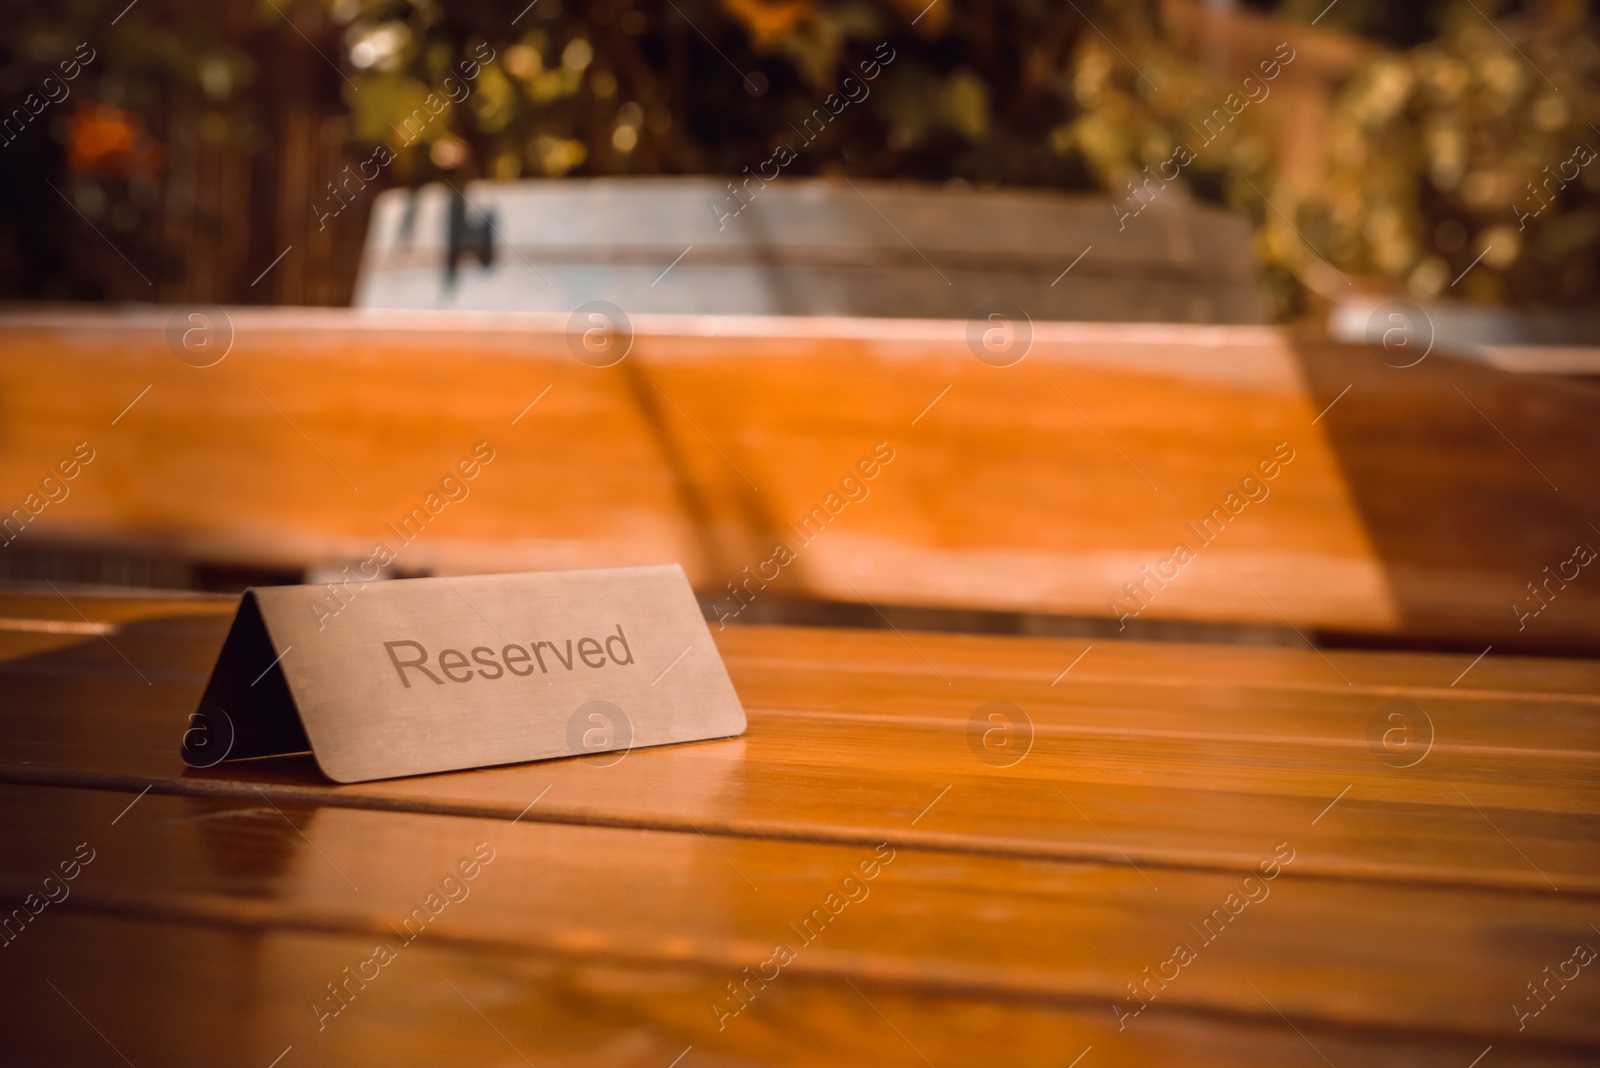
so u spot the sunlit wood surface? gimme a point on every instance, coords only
(1435, 873)
(1443, 502)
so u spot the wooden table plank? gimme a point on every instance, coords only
(244, 996)
(1394, 959)
(1173, 757)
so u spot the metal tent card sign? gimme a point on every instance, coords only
(412, 676)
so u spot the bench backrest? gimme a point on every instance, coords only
(1129, 472)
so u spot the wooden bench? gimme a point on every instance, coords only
(1445, 502)
(1015, 911)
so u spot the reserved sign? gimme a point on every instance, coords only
(423, 675)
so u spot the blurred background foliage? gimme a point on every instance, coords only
(1402, 144)
(1470, 148)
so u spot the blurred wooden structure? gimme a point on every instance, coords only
(244, 175)
(1232, 40)
(1023, 903)
(1422, 504)
(231, 183)
(797, 246)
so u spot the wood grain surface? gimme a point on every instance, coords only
(1012, 901)
(1422, 502)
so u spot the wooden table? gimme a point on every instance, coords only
(936, 902)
